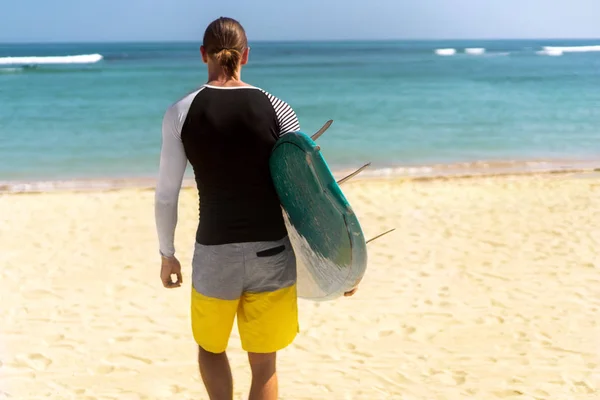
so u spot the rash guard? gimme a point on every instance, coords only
(226, 134)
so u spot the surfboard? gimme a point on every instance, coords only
(325, 233)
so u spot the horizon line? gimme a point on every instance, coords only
(180, 41)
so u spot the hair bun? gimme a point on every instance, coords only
(225, 40)
(229, 60)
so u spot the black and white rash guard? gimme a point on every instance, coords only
(227, 134)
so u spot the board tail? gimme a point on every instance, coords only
(352, 175)
(322, 130)
(380, 235)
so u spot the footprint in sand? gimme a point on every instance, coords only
(50, 339)
(39, 294)
(402, 379)
(37, 361)
(508, 393)
(542, 393)
(64, 346)
(136, 306)
(363, 354)
(444, 292)
(489, 320)
(118, 358)
(409, 330)
(459, 377)
(124, 338)
(301, 348)
(350, 346)
(104, 369)
(582, 387)
(452, 378)
(520, 335)
(171, 390)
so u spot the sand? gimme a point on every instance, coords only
(488, 289)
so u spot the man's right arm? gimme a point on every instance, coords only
(173, 162)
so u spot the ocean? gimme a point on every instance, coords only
(93, 111)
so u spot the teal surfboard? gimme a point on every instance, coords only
(327, 238)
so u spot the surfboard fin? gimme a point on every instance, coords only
(352, 175)
(322, 130)
(380, 235)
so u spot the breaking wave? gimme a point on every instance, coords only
(51, 60)
(445, 52)
(476, 51)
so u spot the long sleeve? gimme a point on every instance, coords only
(286, 116)
(173, 162)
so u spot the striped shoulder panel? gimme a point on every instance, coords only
(286, 117)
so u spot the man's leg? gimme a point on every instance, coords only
(268, 311)
(217, 282)
(216, 374)
(264, 376)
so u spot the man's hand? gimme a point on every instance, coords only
(170, 266)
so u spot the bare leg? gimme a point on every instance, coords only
(216, 374)
(264, 376)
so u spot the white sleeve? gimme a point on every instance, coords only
(286, 117)
(173, 162)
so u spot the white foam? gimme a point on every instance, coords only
(572, 49)
(550, 52)
(483, 167)
(445, 52)
(79, 59)
(475, 51)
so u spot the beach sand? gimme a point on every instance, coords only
(488, 289)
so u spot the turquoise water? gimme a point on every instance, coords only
(396, 104)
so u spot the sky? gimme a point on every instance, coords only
(183, 20)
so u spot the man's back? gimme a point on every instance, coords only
(228, 134)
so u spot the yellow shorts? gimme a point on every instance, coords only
(255, 282)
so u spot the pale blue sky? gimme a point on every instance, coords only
(133, 20)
